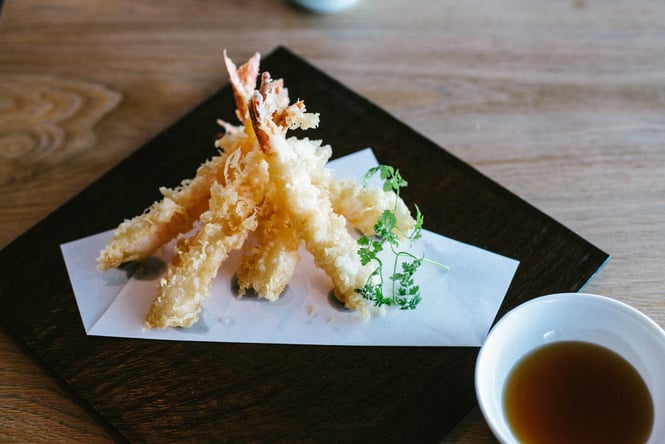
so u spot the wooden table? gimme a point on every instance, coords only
(561, 102)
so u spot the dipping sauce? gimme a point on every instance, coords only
(577, 392)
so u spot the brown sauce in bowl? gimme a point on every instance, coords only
(577, 392)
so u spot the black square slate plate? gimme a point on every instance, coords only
(160, 390)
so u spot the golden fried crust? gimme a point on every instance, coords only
(260, 183)
(232, 216)
(137, 238)
(308, 206)
(268, 267)
(362, 206)
(270, 263)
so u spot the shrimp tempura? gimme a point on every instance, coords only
(264, 184)
(225, 227)
(324, 232)
(137, 238)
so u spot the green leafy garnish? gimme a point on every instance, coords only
(405, 292)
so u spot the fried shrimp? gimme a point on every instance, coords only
(263, 193)
(362, 206)
(268, 267)
(139, 237)
(243, 82)
(308, 206)
(232, 216)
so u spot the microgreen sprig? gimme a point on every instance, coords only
(405, 292)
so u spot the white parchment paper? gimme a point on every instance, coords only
(457, 309)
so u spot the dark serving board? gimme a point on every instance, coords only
(163, 391)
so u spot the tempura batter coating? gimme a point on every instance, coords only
(137, 238)
(269, 265)
(362, 206)
(232, 216)
(308, 206)
(279, 189)
(271, 261)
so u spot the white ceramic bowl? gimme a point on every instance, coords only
(570, 317)
(324, 6)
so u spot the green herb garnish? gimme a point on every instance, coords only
(405, 292)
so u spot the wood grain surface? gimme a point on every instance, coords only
(561, 102)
